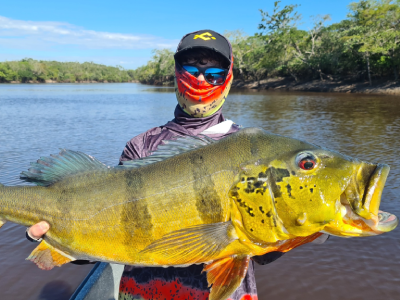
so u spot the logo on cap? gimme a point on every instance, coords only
(204, 36)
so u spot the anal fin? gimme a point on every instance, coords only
(225, 275)
(46, 257)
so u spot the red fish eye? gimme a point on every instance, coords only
(307, 163)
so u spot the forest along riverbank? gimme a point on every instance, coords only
(343, 86)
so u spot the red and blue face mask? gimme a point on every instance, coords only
(200, 98)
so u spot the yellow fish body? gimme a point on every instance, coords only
(198, 201)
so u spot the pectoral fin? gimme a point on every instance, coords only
(225, 275)
(196, 244)
(46, 257)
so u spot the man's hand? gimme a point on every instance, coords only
(38, 230)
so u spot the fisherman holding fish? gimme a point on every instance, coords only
(210, 207)
(203, 77)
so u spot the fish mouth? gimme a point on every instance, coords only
(360, 201)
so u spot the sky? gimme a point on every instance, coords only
(124, 33)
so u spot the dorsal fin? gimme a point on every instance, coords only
(48, 170)
(170, 148)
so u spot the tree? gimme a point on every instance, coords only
(376, 30)
(248, 53)
(278, 31)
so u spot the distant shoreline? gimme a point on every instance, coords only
(385, 87)
(279, 84)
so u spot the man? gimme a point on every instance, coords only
(203, 77)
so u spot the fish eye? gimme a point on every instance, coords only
(306, 161)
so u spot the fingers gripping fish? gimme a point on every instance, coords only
(198, 201)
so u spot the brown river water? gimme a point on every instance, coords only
(98, 119)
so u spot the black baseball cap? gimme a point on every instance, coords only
(205, 39)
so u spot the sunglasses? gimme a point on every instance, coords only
(214, 76)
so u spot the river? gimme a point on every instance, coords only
(98, 119)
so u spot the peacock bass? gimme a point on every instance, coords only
(198, 201)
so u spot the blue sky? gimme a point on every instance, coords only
(124, 32)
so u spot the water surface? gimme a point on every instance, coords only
(98, 119)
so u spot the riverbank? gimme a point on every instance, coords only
(287, 84)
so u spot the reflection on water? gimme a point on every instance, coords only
(36, 120)
(56, 289)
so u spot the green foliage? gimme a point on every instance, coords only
(30, 70)
(160, 69)
(366, 43)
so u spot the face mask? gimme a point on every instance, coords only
(200, 98)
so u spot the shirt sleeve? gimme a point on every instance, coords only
(139, 146)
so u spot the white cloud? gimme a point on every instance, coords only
(35, 35)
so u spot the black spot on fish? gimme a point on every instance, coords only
(269, 214)
(315, 185)
(293, 173)
(261, 209)
(249, 189)
(289, 190)
(262, 175)
(278, 174)
(310, 199)
(258, 184)
(234, 194)
(301, 187)
(251, 229)
(262, 221)
(243, 179)
(311, 190)
(251, 179)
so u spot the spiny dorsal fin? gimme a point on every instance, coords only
(170, 148)
(48, 170)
